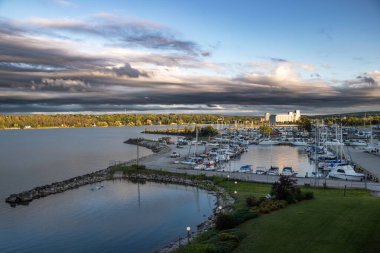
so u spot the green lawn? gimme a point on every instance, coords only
(328, 223)
(331, 222)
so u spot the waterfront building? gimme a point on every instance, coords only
(281, 118)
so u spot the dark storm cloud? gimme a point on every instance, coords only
(362, 83)
(119, 31)
(367, 79)
(100, 96)
(42, 74)
(22, 50)
(127, 70)
(278, 60)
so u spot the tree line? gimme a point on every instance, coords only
(113, 120)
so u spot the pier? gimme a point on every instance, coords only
(370, 163)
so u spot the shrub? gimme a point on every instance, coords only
(271, 205)
(285, 189)
(243, 214)
(255, 210)
(199, 248)
(251, 201)
(138, 167)
(228, 237)
(225, 221)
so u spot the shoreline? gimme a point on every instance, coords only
(222, 197)
(25, 197)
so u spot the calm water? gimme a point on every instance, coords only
(121, 216)
(265, 156)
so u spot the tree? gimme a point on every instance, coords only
(285, 189)
(266, 130)
(208, 131)
(304, 124)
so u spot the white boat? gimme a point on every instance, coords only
(269, 142)
(345, 172)
(188, 162)
(333, 142)
(200, 167)
(298, 142)
(273, 171)
(246, 168)
(260, 170)
(288, 171)
(175, 154)
(357, 143)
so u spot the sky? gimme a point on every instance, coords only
(201, 56)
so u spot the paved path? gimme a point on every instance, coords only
(164, 162)
(367, 161)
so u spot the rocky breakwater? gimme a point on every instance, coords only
(155, 146)
(24, 198)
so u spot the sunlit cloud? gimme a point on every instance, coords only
(56, 65)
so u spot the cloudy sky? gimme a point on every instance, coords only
(201, 56)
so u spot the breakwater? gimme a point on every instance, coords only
(25, 197)
(155, 146)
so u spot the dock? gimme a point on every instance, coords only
(370, 163)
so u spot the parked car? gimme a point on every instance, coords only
(175, 155)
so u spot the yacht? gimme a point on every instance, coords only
(333, 142)
(246, 168)
(268, 142)
(274, 171)
(288, 171)
(357, 143)
(260, 170)
(298, 142)
(345, 172)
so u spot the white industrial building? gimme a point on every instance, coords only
(281, 118)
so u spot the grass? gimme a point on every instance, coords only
(331, 222)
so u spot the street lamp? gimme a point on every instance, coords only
(235, 192)
(228, 177)
(188, 229)
(235, 182)
(220, 208)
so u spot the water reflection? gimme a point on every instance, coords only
(280, 156)
(121, 215)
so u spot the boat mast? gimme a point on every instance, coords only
(196, 140)
(316, 158)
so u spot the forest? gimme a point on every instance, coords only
(115, 120)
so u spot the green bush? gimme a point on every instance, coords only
(251, 201)
(271, 205)
(255, 210)
(199, 248)
(285, 189)
(243, 214)
(228, 237)
(225, 221)
(137, 167)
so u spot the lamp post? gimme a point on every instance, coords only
(188, 229)
(235, 192)
(235, 182)
(228, 177)
(220, 208)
